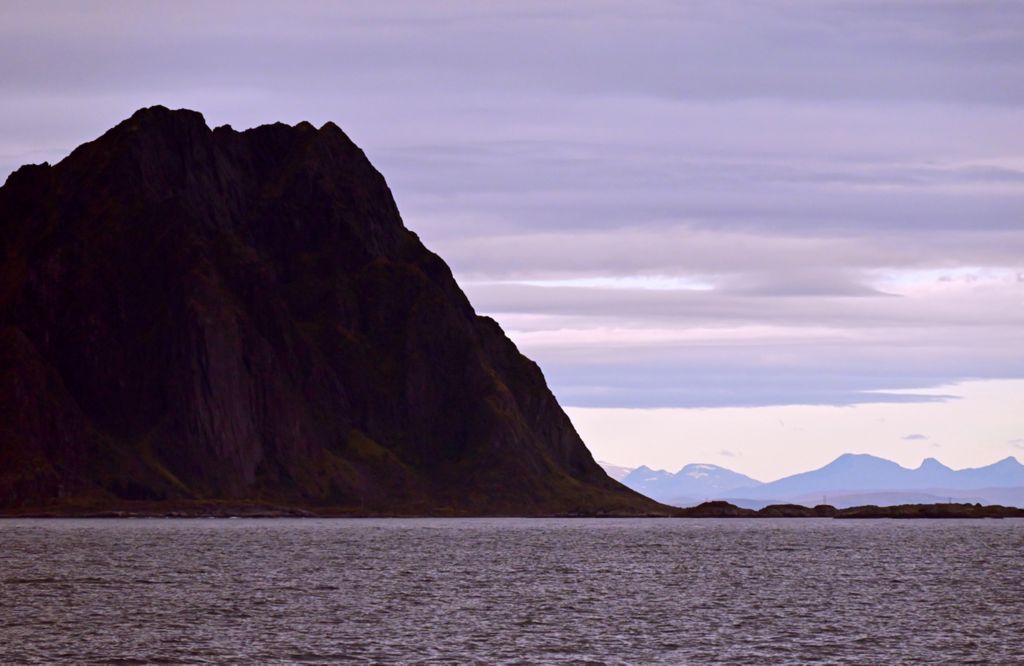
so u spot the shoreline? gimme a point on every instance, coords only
(715, 509)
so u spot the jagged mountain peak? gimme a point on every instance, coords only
(695, 481)
(860, 458)
(932, 464)
(1008, 461)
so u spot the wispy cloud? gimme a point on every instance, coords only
(843, 182)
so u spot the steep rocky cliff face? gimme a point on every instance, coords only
(190, 314)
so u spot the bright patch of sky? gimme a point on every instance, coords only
(984, 424)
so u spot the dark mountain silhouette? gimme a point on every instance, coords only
(199, 318)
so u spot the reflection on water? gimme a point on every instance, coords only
(511, 590)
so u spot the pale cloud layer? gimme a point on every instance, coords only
(701, 204)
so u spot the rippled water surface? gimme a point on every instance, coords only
(511, 590)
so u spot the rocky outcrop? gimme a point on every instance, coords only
(716, 509)
(189, 315)
(932, 511)
(797, 511)
(720, 509)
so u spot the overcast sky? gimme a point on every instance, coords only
(693, 215)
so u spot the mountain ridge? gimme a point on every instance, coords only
(692, 481)
(863, 478)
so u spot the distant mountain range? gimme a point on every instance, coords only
(617, 472)
(849, 480)
(693, 483)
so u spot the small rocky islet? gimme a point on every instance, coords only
(719, 509)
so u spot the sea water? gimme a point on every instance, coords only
(750, 591)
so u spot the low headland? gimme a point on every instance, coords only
(946, 510)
